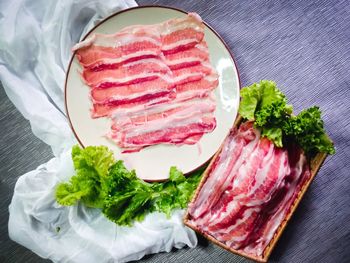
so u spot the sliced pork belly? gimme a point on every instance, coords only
(131, 91)
(196, 89)
(98, 58)
(152, 80)
(231, 156)
(193, 73)
(179, 133)
(156, 114)
(281, 202)
(248, 193)
(130, 73)
(190, 57)
(182, 33)
(131, 104)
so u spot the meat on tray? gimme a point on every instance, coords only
(154, 82)
(249, 190)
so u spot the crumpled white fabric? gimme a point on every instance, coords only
(35, 49)
(80, 234)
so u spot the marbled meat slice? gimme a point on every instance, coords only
(159, 113)
(109, 51)
(182, 33)
(131, 73)
(245, 139)
(244, 210)
(179, 133)
(189, 57)
(159, 71)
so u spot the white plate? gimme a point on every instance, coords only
(154, 162)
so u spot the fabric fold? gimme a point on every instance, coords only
(34, 57)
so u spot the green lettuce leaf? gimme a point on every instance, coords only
(267, 106)
(102, 182)
(91, 165)
(307, 129)
(128, 198)
(250, 97)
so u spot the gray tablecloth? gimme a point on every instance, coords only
(303, 46)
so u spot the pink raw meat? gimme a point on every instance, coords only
(150, 79)
(243, 207)
(180, 133)
(245, 139)
(126, 74)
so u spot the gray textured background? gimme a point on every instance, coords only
(304, 47)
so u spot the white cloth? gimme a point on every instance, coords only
(79, 234)
(37, 37)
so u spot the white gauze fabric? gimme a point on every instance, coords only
(34, 53)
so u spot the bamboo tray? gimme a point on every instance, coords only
(315, 165)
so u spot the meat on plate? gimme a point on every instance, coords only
(154, 82)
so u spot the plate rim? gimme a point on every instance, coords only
(145, 7)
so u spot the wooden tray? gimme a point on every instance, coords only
(315, 165)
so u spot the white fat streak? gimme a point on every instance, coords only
(168, 29)
(146, 61)
(212, 77)
(184, 95)
(182, 61)
(225, 157)
(262, 172)
(195, 16)
(246, 152)
(179, 43)
(124, 40)
(215, 176)
(163, 126)
(247, 213)
(218, 217)
(281, 175)
(87, 42)
(187, 95)
(222, 166)
(126, 35)
(224, 232)
(182, 118)
(123, 58)
(280, 214)
(133, 77)
(242, 171)
(202, 47)
(151, 29)
(142, 75)
(130, 96)
(182, 77)
(114, 41)
(241, 174)
(125, 117)
(165, 76)
(138, 107)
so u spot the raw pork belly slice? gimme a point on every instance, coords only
(157, 114)
(154, 81)
(182, 132)
(130, 73)
(249, 190)
(130, 91)
(182, 33)
(190, 57)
